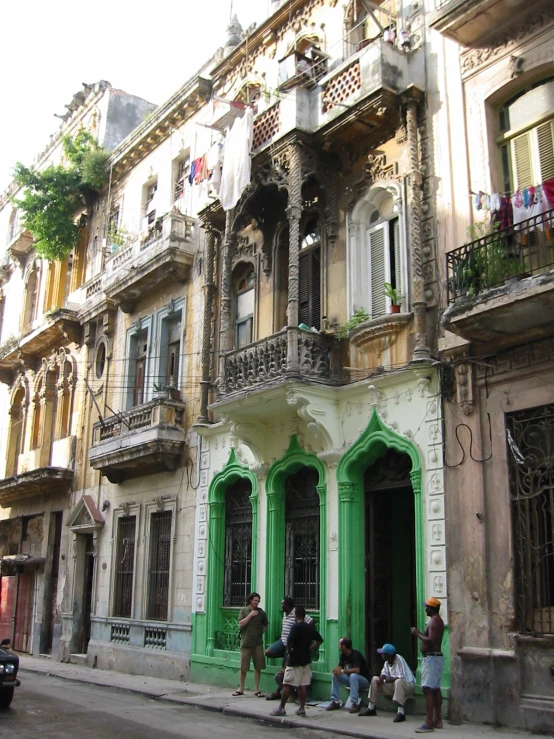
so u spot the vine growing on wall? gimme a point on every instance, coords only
(53, 197)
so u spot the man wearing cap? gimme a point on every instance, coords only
(432, 665)
(353, 671)
(396, 681)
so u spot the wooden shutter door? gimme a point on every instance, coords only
(315, 292)
(545, 139)
(398, 257)
(521, 158)
(304, 289)
(377, 268)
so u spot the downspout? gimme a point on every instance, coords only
(209, 291)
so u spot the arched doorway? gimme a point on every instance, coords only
(390, 577)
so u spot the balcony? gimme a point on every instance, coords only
(52, 329)
(163, 254)
(292, 354)
(472, 22)
(359, 97)
(20, 242)
(501, 286)
(142, 441)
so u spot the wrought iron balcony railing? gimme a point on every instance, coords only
(489, 261)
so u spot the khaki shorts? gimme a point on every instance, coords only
(296, 676)
(256, 654)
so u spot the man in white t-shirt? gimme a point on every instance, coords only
(396, 681)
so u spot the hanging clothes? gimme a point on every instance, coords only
(237, 164)
(548, 192)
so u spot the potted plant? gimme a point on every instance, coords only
(173, 393)
(394, 296)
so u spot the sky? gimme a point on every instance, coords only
(50, 47)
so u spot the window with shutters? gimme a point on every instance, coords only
(158, 571)
(137, 368)
(149, 204)
(169, 375)
(309, 277)
(124, 566)
(385, 264)
(526, 141)
(238, 543)
(244, 281)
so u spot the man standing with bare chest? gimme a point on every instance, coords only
(432, 665)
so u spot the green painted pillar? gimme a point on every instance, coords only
(216, 543)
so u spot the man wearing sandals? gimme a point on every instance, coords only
(303, 638)
(252, 625)
(432, 666)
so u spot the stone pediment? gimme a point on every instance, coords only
(85, 517)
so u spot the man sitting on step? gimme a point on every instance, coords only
(396, 681)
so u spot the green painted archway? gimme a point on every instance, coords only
(293, 460)
(372, 444)
(233, 471)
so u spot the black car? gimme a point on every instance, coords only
(9, 665)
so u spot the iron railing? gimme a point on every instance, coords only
(302, 538)
(530, 435)
(125, 566)
(492, 259)
(160, 553)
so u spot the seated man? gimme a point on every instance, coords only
(396, 681)
(353, 671)
(279, 648)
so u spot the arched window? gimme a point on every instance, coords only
(36, 436)
(16, 432)
(32, 289)
(376, 252)
(309, 278)
(244, 281)
(302, 543)
(64, 401)
(525, 135)
(238, 543)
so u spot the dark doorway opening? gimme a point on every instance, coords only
(390, 560)
(87, 592)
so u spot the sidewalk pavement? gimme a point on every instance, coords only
(215, 698)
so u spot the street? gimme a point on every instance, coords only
(51, 707)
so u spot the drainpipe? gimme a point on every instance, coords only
(209, 290)
(421, 350)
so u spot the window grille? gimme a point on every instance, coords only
(531, 455)
(302, 538)
(238, 543)
(124, 566)
(160, 552)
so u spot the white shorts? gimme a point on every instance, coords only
(296, 676)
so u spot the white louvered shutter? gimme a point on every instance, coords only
(521, 157)
(545, 139)
(377, 242)
(398, 261)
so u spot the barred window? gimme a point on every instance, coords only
(238, 543)
(124, 566)
(158, 575)
(302, 538)
(531, 457)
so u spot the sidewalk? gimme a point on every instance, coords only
(214, 698)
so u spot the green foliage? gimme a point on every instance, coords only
(392, 293)
(360, 316)
(52, 197)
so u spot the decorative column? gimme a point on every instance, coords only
(421, 350)
(225, 328)
(216, 536)
(209, 290)
(350, 551)
(294, 212)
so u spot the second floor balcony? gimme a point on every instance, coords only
(501, 285)
(164, 253)
(144, 440)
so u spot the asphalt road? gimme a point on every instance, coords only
(47, 707)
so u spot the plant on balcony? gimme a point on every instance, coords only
(394, 296)
(171, 392)
(118, 237)
(53, 197)
(359, 316)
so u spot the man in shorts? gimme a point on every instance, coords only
(432, 666)
(302, 639)
(252, 625)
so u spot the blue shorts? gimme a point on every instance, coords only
(431, 671)
(277, 649)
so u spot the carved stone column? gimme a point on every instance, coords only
(294, 213)
(421, 350)
(225, 328)
(209, 290)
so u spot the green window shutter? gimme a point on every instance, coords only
(545, 140)
(523, 168)
(398, 261)
(377, 251)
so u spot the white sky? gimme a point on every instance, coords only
(49, 47)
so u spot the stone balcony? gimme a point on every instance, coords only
(33, 477)
(20, 242)
(473, 22)
(501, 286)
(360, 96)
(164, 253)
(50, 330)
(142, 441)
